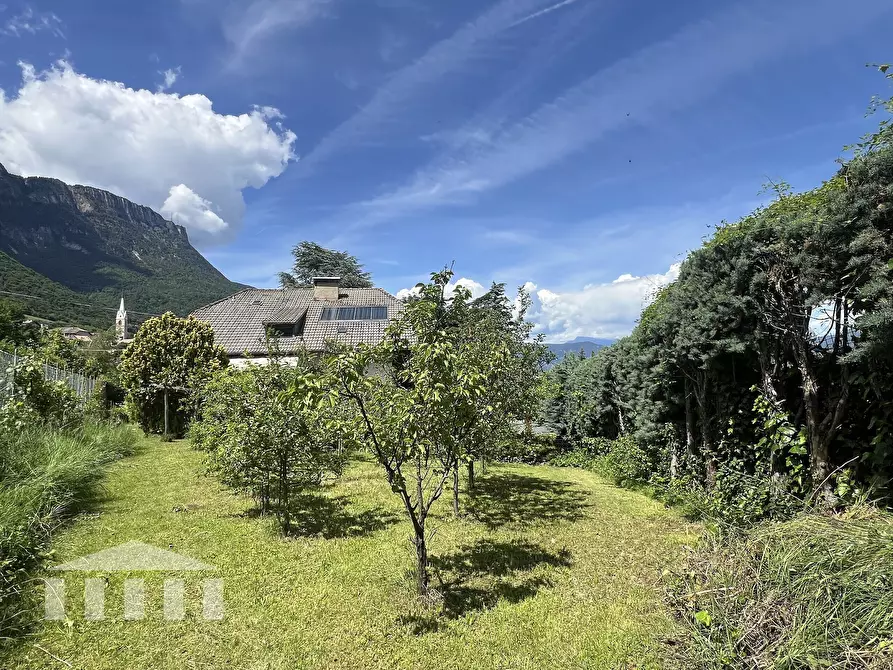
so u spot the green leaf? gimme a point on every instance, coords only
(703, 617)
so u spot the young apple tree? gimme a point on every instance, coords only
(416, 400)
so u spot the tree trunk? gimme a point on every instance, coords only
(769, 367)
(674, 460)
(706, 448)
(690, 447)
(456, 490)
(483, 465)
(421, 550)
(471, 474)
(819, 438)
(819, 445)
(166, 416)
(620, 420)
(711, 473)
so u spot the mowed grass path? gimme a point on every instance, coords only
(551, 568)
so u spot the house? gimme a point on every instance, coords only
(78, 334)
(299, 318)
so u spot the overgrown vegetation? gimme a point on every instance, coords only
(767, 362)
(50, 458)
(815, 591)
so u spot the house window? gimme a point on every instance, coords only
(377, 313)
(281, 329)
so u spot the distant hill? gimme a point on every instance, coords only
(77, 244)
(54, 303)
(588, 345)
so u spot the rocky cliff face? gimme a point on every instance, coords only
(97, 243)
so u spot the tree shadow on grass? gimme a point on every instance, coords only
(329, 517)
(508, 498)
(477, 577)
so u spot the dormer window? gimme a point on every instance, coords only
(287, 322)
(281, 329)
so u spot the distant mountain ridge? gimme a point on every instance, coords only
(97, 245)
(587, 345)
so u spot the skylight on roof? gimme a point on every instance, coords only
(377, 313)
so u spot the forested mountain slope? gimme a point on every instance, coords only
(100, 246)
(53, 301)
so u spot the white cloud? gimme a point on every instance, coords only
(608, 310)
(601, 310)
(170, 78)
(31, 22)
(185, 207)
(658, 80)
(476, 289)
(150, 147)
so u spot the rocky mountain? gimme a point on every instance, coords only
(97, 245)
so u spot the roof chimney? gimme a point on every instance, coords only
(326, 288)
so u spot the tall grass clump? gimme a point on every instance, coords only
(812, 592)
(44, 471)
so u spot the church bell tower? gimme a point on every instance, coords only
(121, 322)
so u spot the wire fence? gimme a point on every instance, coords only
(80, 384)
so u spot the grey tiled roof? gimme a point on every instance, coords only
(239, 322)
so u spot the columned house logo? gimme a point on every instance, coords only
(133, 557)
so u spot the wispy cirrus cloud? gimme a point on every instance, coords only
(660, 79)
(473, 41)
(30, 22)
(542, 12)
(248, 26)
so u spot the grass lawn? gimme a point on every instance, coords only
(551, 568)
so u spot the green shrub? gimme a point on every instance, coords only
(621, 460)
(17, 415)
(533, 450)
(32, 397)
(43, 471)
(812, 592)
(625, 462)
(578, 458)
(269, 445)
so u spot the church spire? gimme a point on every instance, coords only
(121, 321)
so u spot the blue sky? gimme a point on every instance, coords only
(579, 146)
